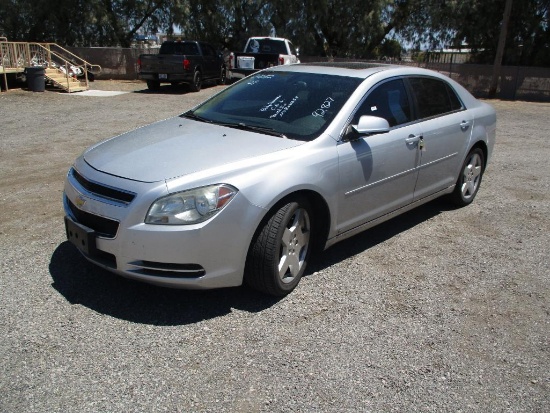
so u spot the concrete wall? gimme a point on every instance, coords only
(116, 63)
(516, 82)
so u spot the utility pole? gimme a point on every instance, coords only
(500, 48)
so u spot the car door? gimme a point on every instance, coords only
(445, 128)
(378, 173)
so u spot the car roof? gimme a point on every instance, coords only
(360, 70)
(349, 69)
(267, 37)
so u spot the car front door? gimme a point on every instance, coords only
(378, 172)
(445, 128)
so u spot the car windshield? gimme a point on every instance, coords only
(289, 104)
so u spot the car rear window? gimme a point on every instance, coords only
(266, 46)
(177, 48)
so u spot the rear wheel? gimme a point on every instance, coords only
(280, 250)
(153, 85)
(197, 82)
(222, 80)
(469, 180)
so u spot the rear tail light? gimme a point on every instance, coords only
(281, 60)
(186, 64)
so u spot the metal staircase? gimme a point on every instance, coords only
(63, 69)
(59, 79)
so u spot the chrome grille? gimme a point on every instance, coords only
(103, 191)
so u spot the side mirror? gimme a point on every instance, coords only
(367, 125)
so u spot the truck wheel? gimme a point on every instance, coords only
(197, 82)
(222, 80)
(153, 85)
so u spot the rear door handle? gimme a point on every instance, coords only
(464, 125)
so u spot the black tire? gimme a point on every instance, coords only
(280, 250)
(222, 80)
(469, 179)
(153, 85)
(197, 82)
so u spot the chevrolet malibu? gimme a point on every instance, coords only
(245, 186)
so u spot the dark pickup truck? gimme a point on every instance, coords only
(188, 62)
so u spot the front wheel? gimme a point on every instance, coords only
(469, 180)
(280, 250)
(197, 82)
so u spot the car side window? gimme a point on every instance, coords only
(185, 49)
(433, 97)
(455, 102)
(389, 101)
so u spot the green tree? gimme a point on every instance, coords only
(389, 49)
(477, 23)
(334, 28)
(83, 22)
(224, 23)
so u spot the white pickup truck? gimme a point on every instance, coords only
(260, 53)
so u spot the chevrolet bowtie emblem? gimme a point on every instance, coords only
(80, 201)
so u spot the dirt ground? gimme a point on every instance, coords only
(438, 310)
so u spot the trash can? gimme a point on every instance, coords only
(36, 79)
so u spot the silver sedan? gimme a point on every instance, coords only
(245, 186)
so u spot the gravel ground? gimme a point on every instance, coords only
(439, 310)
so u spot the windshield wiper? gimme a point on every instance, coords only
(191, 115)
(243, 126)
(253, 128)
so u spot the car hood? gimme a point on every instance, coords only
(177, 147)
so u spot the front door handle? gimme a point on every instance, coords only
(413, 139)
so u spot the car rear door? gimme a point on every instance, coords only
(378, 172)
(446, 128)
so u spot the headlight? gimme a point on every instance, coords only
(190, 207)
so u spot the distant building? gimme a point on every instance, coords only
(145, 40)
(449, 55)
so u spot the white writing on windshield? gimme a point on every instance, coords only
(278, 106)
(323, 109)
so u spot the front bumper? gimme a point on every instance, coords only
(211, 254)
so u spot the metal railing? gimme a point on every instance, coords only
(16, 56)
